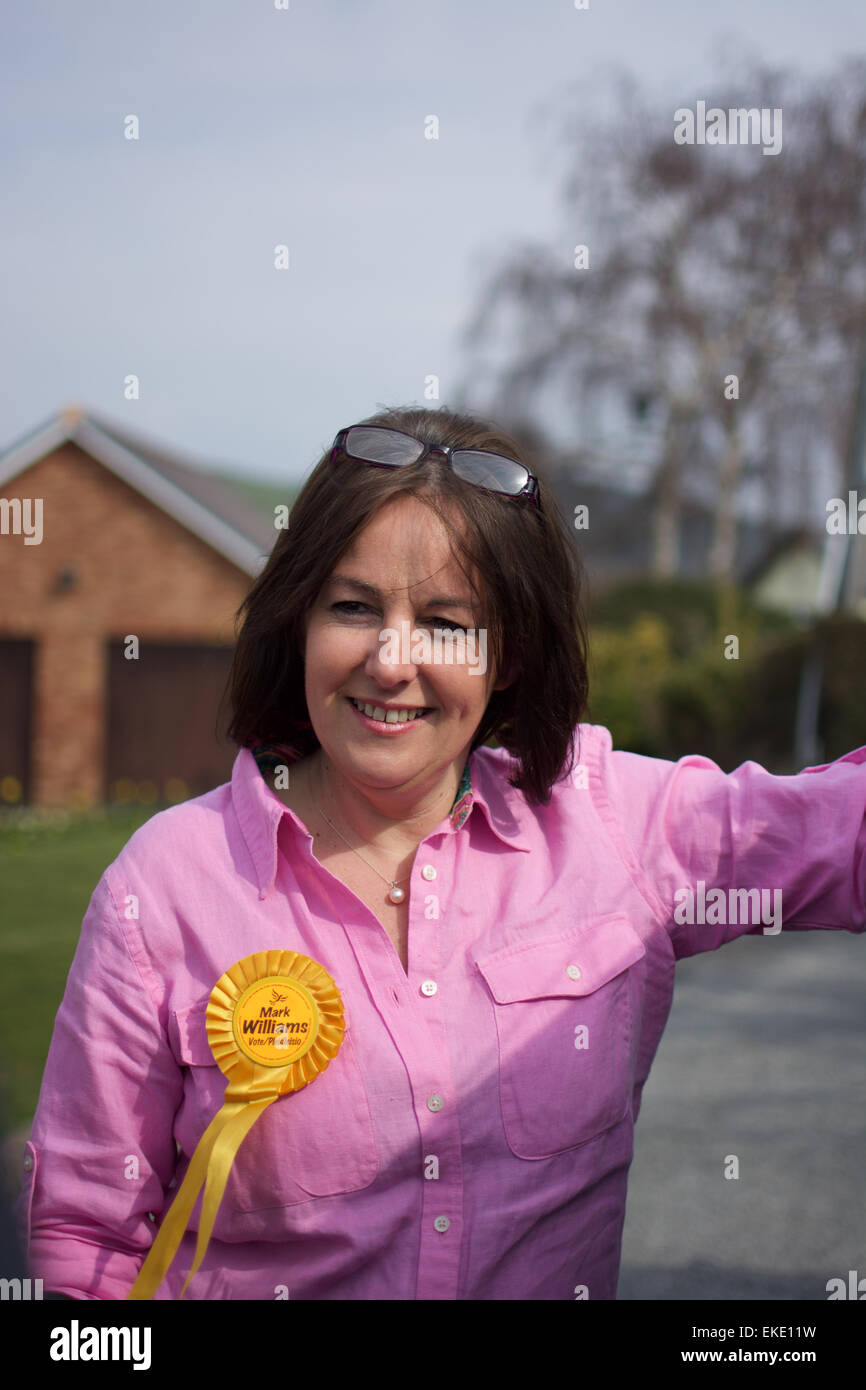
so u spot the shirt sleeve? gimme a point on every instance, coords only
(102, 1153)
(721, 855)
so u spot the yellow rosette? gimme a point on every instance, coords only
(274, 1022)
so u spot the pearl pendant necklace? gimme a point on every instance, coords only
(395, 894)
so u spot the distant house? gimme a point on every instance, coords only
(802, 574)
(788, 577)
(790, 568)
(616, 541)
(116, 615)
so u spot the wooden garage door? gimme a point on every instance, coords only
(162, 709)
(16, 705)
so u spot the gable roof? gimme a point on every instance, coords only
(204, 503)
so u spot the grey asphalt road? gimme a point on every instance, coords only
(763, 1058)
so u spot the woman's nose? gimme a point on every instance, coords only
(391, 658)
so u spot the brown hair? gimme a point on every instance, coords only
(531, 598)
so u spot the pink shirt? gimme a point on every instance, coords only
(472, 1137)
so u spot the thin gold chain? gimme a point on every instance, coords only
(391, 882)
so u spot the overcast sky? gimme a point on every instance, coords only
(304, 126)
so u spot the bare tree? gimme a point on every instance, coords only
(722, 288)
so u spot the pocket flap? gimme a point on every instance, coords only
(572, 964)
(189, 1034)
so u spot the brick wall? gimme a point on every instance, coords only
(136, 571)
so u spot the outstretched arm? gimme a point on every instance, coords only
(720, 855)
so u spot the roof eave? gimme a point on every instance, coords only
(138, 475)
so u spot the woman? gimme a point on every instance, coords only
(502, 924)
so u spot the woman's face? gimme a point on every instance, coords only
(399, 570)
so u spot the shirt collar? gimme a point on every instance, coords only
(260, 812)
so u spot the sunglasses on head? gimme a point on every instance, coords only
(385, 447)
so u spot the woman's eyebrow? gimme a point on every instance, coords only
(436, 600)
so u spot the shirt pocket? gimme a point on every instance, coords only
(564, 1014)
(315, 1142)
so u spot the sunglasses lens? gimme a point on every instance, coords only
(376, 445)
(394, 449)
(492, 471)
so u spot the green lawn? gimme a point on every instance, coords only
(48, 870)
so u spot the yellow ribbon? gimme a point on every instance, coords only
(274, 1022)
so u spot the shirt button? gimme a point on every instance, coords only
(435, 1102)
(442, 1223)
(28, 1162)
(573, 972)
(428, 872)
(429, 987)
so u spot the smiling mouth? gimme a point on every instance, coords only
(406, 715)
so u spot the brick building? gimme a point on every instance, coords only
(113, 539)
